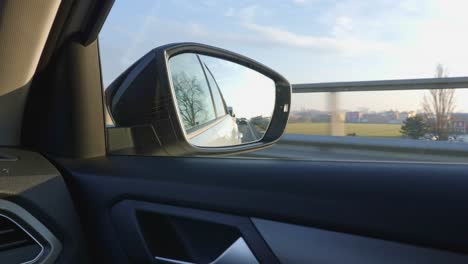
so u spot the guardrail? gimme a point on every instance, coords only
(384, 85)
(312, 147)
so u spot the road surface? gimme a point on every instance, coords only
(297, 147)
(249, 133)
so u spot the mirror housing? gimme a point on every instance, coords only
(142, 104)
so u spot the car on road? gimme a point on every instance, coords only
(242, 121)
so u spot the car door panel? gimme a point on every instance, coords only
(311, 245)
(417, 204)
(197, 236)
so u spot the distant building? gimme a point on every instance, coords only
(392, 115)
(459, 123)
(395, 121)
(459, 126)
(375, 118)
(406, 115)
(321, 118)
(353, 117)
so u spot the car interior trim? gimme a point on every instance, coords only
(52, 246)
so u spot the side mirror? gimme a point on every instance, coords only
(178, 100)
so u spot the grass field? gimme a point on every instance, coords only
(362, 130)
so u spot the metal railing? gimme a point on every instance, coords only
(384, 85)
(312, 147)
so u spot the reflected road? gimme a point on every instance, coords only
(250, 134)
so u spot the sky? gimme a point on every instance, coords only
(248, 92)
(307, 41)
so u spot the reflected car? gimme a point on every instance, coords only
(242, 121)
(201, 104)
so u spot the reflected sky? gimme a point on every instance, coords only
(248, 92)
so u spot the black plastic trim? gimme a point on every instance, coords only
(125, 220)
(421, 204)
(50, 245)
(307, 245)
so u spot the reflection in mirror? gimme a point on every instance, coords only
(221, 103)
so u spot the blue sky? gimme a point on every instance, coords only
(306, 40)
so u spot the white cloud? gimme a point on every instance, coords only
(394, 40)
(197, 30)
(345, 46)
(436, 38)
(248, 13)
(343, 25)
(230, 12)
(409, 5)
(339, 38)
(299, 2)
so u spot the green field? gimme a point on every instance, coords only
(362, 130)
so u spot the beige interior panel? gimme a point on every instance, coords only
(24, 28)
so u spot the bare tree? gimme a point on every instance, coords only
(438, 106)
(189, 96)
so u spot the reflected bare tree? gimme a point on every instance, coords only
(438, 106)
(189, 94)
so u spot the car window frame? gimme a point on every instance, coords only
(219, 90)
(197, 130)
(209, 86)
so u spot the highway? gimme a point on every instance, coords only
(249, 132)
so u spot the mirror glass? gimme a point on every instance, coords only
(220, 103)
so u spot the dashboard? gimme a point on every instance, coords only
(38, 223)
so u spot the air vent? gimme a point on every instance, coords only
(12, 236)
(23, 239)
(16, 244)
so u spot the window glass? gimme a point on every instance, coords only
(192, 92)
(217, 97)
(384, 115)
(344, 40)
(308, 41)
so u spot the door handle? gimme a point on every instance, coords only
(238, 252)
